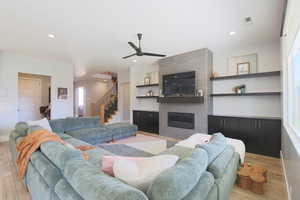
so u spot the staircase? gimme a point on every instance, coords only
(106, 107)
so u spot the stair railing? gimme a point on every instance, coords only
(103, 101)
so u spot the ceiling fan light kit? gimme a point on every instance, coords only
(138, 50)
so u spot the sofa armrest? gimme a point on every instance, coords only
(219, 165)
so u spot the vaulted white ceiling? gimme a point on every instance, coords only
(93, 34)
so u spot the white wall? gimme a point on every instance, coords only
(10, 65)
(137, 74)
(269, 59)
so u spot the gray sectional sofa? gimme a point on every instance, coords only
(57, 172)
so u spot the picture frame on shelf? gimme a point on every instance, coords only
(147, 80)
(240, 61)
(243, 68)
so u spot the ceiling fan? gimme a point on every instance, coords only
(139, 51)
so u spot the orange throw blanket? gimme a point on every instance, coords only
(32, 142)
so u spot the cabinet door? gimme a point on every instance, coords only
(270, 141)
(231, 127)
(136, 118)
(215, 124)
(148, 120)
(250, 135)
(156, 123)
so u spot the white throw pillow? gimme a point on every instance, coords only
(140, 172)
(44, 123)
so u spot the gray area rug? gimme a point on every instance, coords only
(124, 150)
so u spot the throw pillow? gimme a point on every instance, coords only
(141, 172)
(44, 123)
(108, 163)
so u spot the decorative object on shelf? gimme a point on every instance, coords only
(243, 68)
(150, 93)
(161, 93)
(154, 77)
(240, 89)
(62, 93)
(200, 93)
(215, 74)
(242, 62)
(147, 79)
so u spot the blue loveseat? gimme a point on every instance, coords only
(57, 172)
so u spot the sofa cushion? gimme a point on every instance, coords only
(34, 128)
(122, 130)
(140, 172)
(226, 183)
(64, 191)
(202, 188)
(46, 169)
(219, 165)
(36, 184)
(215, 147)
(92, 135)
(42, 123)
(21, 129)
(75, 123)
(58, 153)
(178, 181)
(96, 156)
(91, 183)
(75, 142)
(179, 151)
(58, 125)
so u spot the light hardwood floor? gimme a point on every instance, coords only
(12, 189)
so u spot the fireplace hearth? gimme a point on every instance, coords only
(181, 120)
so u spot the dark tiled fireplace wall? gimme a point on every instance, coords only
(201, 62)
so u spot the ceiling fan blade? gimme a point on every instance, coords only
(129, 56)
(133, 46)
(153, 54)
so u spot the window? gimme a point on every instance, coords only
(293, 90)
(81, 97)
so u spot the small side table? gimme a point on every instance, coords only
(252, 177)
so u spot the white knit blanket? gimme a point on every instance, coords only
(200, 138)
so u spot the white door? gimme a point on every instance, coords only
(29, 91)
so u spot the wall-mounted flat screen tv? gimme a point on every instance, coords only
(179, 84)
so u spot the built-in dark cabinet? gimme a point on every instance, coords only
(146, 121)
(260, 135)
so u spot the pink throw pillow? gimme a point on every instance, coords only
(108, 163)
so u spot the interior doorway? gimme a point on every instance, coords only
(34, 97)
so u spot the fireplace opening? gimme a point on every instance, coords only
(181, 120)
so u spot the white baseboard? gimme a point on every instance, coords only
(4, 138)
(285, 177)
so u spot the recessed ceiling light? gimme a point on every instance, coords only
(232, 33)
(51, 36)
(134, 60)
